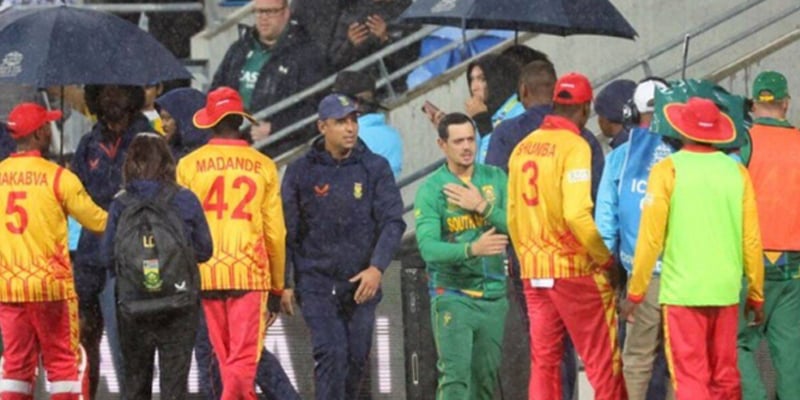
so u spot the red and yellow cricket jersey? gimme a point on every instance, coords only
(240, 193)
(550, 206)
(36, 196)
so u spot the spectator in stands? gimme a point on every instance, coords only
(176, 109)
(365, 27)
(535, 91)
(379, 137)
(609, 107)
(492, 80)
(344, 220)
(7, 144)
(98, 164)
(270, 62)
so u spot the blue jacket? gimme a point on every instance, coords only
(341, 217)
(382, 140)
(622, 189)
(181, 104)
(98, 164)
(185, 204)
(7, 144)
(510, 132)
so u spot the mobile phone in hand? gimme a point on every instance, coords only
(429, 108)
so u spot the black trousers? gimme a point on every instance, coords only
(173, 335)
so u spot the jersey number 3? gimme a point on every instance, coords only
(13, 208)
(215, 199)
(532, 199)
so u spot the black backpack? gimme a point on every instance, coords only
(155, 265)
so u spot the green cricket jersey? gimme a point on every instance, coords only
(445, 231)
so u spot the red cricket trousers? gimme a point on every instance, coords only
(700, 344)
(236, 327)
(586, 308)
(48, 329)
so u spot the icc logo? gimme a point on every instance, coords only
(148, 241)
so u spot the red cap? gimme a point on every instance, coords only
(26, 118)
(220, 103)
(701, 121)
(572, 88)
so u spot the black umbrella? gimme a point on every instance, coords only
(557, 17)
(62, 45)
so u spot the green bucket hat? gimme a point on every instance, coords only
(770, 86)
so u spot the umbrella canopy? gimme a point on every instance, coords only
(557, 17)
(62, 45)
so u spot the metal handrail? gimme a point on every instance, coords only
(291, 100)
(736, 39)
(327, 82)
(677, 42)
(755, 56)
(126, 7)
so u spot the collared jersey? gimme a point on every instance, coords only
(34, 256)
(550, 206)
(445, 232)
(239, 190)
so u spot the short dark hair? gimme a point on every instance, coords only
(522, 55)
(148, 158)
(229, 123)
(539, 77)
(455, 118)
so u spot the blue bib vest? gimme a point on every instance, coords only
(645, 150)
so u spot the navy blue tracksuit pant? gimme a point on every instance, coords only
(341, 338)
(270, 376)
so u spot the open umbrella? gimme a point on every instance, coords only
(62, 45)
(557, 17)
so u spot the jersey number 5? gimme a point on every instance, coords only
(12, 207)
(215, 199)
(532, 199)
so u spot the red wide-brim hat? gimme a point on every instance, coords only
(700, 120)
(220, 103)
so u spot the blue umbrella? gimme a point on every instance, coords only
(557, 17)
(62, 45)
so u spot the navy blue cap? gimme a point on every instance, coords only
(336, 106)
(612, 98)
